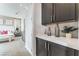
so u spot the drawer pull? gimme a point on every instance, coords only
(45, 44)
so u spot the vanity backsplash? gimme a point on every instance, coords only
(54, 31)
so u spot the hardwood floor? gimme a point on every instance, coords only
(13, 48)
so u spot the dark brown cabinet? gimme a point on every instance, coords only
(71, 52)
(65, 12)
(46, 48)
(68, 53)
(47, 13)
(41, 49)
(57, 50)
(58, 12)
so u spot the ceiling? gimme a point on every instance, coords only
(12, 9)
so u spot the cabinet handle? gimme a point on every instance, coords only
(48, 47)
(51, 18)
(45, 44)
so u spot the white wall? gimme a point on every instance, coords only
(39, 28)
(29, 29)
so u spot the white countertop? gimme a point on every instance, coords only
(68, 42)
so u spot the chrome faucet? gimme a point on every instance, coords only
(48, 31)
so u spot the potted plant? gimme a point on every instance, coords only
(68, 31)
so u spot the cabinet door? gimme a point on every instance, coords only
(57, 50)
(41, 49)
(47, 13)
(65, 12)
(71, 52)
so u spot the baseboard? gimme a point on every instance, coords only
(29, 51)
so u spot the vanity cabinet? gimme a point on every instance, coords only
(56, 49)
(46, 48)
(65, 12)
(47, 13)
(58, 12)
(71, 52)
(41, 47)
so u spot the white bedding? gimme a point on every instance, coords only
(6, 37)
